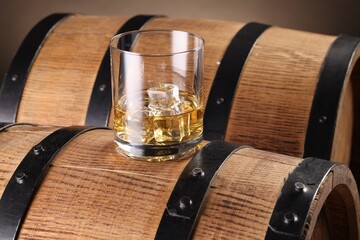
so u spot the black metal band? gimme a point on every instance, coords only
(14, 82)
(99, 108)
(4, 126)
(322, 119)
(291, 211)
(189, 192)
(218, 107)
(26, 179)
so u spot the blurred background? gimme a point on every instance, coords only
(323, 16)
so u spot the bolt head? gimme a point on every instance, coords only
(220, 101)
(290, 217)
(20, 177)
(102, 87)
(14, 77)
(299, 186)
(197, 172)
(185, 202)
(322, 119)
(38, 149)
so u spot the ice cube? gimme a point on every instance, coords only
(164, 92)
(133, 104)
(164, 100)
(138, 127)
(172, 129)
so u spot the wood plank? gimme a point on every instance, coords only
(276, 90)
(60, 82)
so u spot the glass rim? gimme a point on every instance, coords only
(194, 49)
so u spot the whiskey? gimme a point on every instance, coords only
(145, 120)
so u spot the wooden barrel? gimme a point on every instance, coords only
(276, 89)
(85, 190)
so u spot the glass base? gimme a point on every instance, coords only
(158, 153)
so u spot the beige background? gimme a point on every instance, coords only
(323, 16)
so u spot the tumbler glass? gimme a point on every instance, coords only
(157, 93)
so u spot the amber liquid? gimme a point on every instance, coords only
(144, 126)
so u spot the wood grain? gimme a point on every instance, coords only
(276, 90)
(96, 204)
(272, 101)
(347, 131)
(92, 192)
(321, 229)
(59, 86)
(245, 192)
(338, 197)
(15, 143)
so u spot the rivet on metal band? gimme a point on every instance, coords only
(324, 109)
(184, 204)
(293, 206)
(218, 107)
